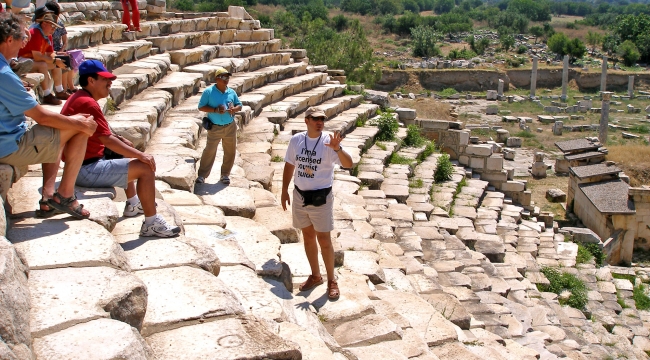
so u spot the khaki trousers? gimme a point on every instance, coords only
(228, 136)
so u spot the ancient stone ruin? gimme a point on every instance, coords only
(447, 270)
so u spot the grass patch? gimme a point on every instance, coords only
(632, 278)
(524, 134)
(620, 301)
(429, 149)
(584, 255)
(111, 106)
(395, 158)
(448, 92)
(641, 300)
(381, 146)
(480, 132)
(277, 158)
(560, 282)
(361, 120)
(416, 183)
(640, 129)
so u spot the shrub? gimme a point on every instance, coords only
(413, 136)
(448, 92)
(628, 52)
(424, 41)
(641, 300)
(584, 255)
(559, 282)
(522, 49)
(387, 125)
(184, 5)
(444, 169)
(340, 22)
(395, 158)
(596, 251)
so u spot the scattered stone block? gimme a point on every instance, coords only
(555, 195)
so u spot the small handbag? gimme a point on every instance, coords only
(207, 124)
(76, 58)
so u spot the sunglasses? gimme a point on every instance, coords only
(223, 77)
(318, 119)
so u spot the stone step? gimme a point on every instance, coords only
(259, 245)
(237, 337)
(290, 106)
(258, 98)
(240, 66)
(64, 297)
(220, 48)
(182, 296)
(81, 341)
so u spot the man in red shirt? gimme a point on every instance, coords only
(39, 48)
(96, 171)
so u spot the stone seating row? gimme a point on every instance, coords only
(205, 53)
(258, 68)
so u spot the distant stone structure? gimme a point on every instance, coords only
(605, 203)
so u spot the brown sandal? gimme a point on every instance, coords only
(333, 290)
(311, 283)
(65, 205)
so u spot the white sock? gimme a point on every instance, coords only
(148, 220)
(58, 88)
(47, 92)
(134, 200)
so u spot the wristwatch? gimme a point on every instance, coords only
(340, 148)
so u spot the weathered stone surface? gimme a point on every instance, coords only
(146, 253)
(58, 243)
(367, 330)
(450, 308)
(97, 339)
(14, 299)
(184, 295)
(242, 337)
(430, 325)
(555, 195)
(233, 201)
(65, 297)
(102, 211)
(454, 351)
(366, 263)
(260, 246)
(222, 242)
(201, 215)
(312, 347)
(279, 223)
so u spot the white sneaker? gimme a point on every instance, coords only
(133, 210)
(200, 180)
(159, 228)
(225, 179)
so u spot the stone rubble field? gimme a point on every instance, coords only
(416, 283)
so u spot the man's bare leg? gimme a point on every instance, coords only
(311, 249)
(146, 187)
(327, 251)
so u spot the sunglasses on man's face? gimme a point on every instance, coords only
(318, 119)
(223, 77)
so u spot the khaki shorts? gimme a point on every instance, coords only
(40, 144)
(322, 217)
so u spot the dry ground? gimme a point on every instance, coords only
(426, 108)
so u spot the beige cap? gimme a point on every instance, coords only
(221, 71)
(315, 112)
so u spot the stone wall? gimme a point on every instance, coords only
(590, 216)
(638, 225)
(482, 80)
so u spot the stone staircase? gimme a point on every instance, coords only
(426, 270)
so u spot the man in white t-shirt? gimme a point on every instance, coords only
(310, 158)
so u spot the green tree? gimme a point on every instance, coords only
(340, 22)
(348, 50)
(478, 46)
(357, 6)
(507, 41)
(184, 5)
(628, 52)
(557, 43)
(389, 7)
(443, 6)
(536, 31)
(424, 41)
(610, 43)
(594, 39)
(576, 49)
(636, 28)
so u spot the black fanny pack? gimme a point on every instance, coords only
(207, 124)
(314, 197)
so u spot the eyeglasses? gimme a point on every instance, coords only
(223, 77)
(318, 119)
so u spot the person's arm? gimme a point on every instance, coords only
(121, 147)
(81, 122)
(287, 174)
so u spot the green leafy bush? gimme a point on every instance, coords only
(596, 251)
(398, 159)
(387, 125)
(628, 52)
(522, 49)
(444, 169)
(559, 282)
(413, 136)
(584, 256)
(448, 92)
(429, 149)
(424, 40)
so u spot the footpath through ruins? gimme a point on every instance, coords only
(433, 271)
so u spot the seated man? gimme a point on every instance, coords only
(96, 171)
(39, 48)
(53, 133)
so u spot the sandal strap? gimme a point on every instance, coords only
(66, 201)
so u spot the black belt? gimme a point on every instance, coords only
(223, 124)
(90, 161)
